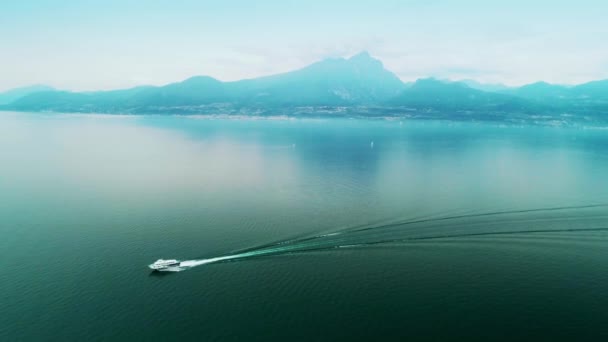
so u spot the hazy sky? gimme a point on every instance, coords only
(85, 45)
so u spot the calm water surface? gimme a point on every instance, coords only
(436, 231)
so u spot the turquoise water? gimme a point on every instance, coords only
(435, 231)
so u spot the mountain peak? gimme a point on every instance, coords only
(363, 55)
(200, 80)
(432, 81)
(538, 84)
(364, 60)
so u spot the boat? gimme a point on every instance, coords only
(165, 265)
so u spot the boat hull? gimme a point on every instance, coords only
(173, 268)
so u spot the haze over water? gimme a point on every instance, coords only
(455, 230)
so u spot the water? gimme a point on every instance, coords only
(300, 229)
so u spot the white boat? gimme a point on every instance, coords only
(165, 265)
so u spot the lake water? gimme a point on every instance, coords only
(344, 229)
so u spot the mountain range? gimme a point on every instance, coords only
(359, 85)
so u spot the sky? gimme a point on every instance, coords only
(94, 45)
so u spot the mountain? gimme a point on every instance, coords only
(590, 97)
(592, 90)
(191, 92)
(17, 93)
(66, 101)
(358, 80)
(359, 85)
(541, 91)
(456, 96)
(488, 87)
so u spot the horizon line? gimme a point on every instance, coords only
(405, 81)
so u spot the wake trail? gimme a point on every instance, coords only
(580, 219)
(368, 227)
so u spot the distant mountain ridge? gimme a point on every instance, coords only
(17, 93)
(360, 79)
(359, 84)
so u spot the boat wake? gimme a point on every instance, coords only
(528, 221)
